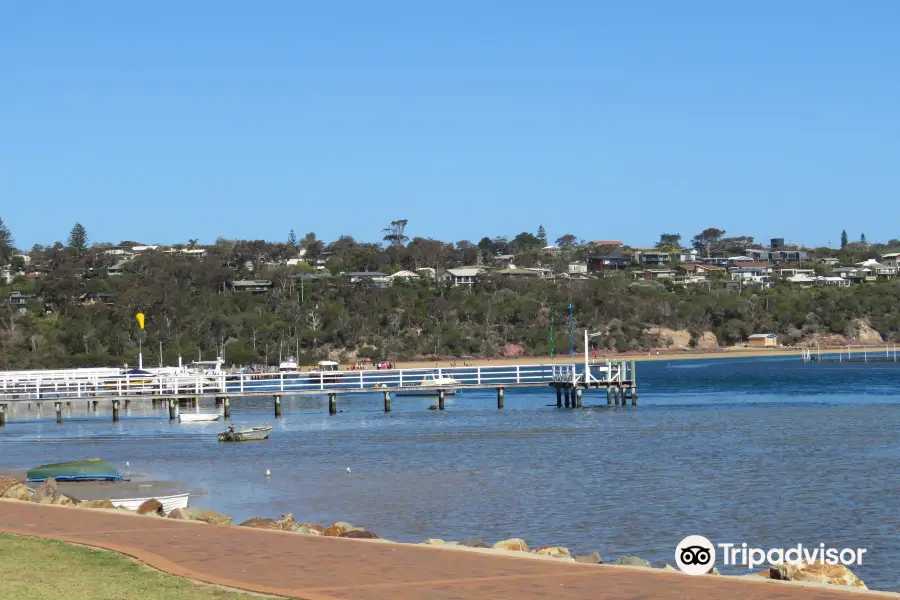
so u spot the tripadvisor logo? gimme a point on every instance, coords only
(695, 555)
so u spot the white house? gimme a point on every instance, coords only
(576, 268)
(404, 276)
(891, 260)
(460, 276)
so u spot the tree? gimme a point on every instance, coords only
(78, 239)
(566, 241)
(6, 243)
(192, 243)
(525, 241)
(708, 238)
(292, 239)
(395, 234)
(669, 240)
(542, 235)
(862, 238)
(844, 238)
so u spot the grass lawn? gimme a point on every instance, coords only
(39, 569)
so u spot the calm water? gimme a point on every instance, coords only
(771, 452)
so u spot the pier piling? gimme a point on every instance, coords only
(608, 396)
(2, 415)
(277, 400)
(332, 404)
(173, 405)
(615, 393)
(500, 397)
(387, 402)
(95, 402)
(568, 392)
(115, 411)
(58, 407)
(578, 399)
(558, 397)
(440, 399)
(127, 403)
(154, 403)
(226, 408)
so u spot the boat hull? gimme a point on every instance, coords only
(92, 469)
(197, 418)
(257, 434)
(169, 503)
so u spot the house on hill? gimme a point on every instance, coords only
(762, 340)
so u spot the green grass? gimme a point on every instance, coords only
(39, 569)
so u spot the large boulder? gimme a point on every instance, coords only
(179, 513)
(151, 507)
(590, 559)
(434, 542)
(307, 530)
(285, 523)
(514, 544)
(817, 572)
(473, 543)
(14, 490)
(45, 492)
(633, 561)
(205, 515)
(359, 534)
(338, 528)
(313, 526)
(553, 552)
(95, 504)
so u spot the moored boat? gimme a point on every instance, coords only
(431, 385)
(288, 365)
(91, 469)
(198, 417)
(169, 503)
(251, 434)
(326, 372)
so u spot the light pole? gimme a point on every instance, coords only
(587, 364)
(571, 332)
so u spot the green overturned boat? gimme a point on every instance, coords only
(91, 469)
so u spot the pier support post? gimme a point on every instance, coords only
(277, 400)
(332, 403)
(95, 402)
(558, 397)
(578, 400)
(58, 407)
(615, 393)
(440, 399)
(633, 395)
(226, 408)
(568, 392)
(127, 403)
(608, 396)
(115, 411)
(387, 402)
(500, 397)
(197, 402)
(2, 415)
(154, 403)
(218, 401)
(173, 404)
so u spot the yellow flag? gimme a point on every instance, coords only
(140, 320)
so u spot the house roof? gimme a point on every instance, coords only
(891, 255)
(753, 265)
(251, 282)
(606, 243)
(370, 274)
(464, 272)
(406, 274)
(761, 336)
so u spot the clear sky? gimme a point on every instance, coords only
(609, 120)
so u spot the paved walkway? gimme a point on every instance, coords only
(320, 568)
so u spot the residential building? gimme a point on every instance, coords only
(460, 276)
(614, 261)
(891, 260)
(750, 270)
(836, 281)
(551, 249)
(20, 300)
(830, 262)
(95, 297)
(802, 279)
(6, 274)
(405, 276)
(700, 270)
(720, 261)
(117, 268)
(606, 243)
(369, 278)
(762, 340)
(427, 272)
(653, 257)
(254, 286)
(653, 274)
(792, 272)
(879, 270)
(577, 268)
(518, 273)
(684, 255)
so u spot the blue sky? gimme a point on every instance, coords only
(177, 120)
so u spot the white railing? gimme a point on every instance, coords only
(239, 384)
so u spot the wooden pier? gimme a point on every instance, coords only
(852, 354)
(61, 389)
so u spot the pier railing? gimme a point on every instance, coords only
(66, 385)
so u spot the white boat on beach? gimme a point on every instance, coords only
(197, 417)
(431, 385)
(288, 365)
(169, 503)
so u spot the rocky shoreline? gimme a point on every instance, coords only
(48, 493)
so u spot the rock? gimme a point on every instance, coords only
(152, 506)
(179, 513)
(515, 544)
(46, 491)
(670, 568)
(14, 490)
(590, 559)
(205, 515)
(285, 523)
(473, 543)
(432, 407)
(96, 504)
(553, 551)
(633, 561)
(714, 571)
(307, 530)
(817, 572)
(338, 528)
(315, 526)
(433, 542)
(359, 534)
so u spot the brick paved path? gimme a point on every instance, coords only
(320, 568)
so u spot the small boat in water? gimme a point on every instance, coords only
(252, 434)
(197, 417)
(430, 386)
(169, 503)
(91, 469)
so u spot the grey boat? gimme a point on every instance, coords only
(245, 435)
